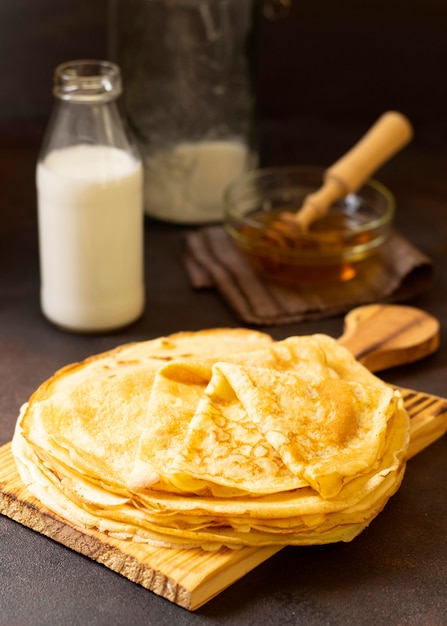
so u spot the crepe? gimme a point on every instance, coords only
(219, 437)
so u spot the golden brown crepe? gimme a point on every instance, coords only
(220, 437)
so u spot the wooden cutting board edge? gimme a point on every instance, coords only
(188, 578)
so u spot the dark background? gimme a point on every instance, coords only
(328, 63)
(325, 74)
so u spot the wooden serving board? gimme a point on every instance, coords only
(189, 578)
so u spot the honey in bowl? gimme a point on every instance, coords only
(332, 250)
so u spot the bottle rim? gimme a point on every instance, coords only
(87, 80)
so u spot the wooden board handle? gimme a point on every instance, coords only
(383, 335)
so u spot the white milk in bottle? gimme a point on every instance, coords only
(90, 205)
(90, 237)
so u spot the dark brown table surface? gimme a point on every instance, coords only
(394, 573)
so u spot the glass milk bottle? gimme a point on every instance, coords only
(189, 97)
(90, 204)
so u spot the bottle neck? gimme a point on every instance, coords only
(87, 109)
(87, 81)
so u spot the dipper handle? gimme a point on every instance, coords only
(390, 133)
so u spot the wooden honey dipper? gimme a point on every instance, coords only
(391, 132)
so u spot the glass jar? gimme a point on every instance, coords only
(90, 204)
(189, 97)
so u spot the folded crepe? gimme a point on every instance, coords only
(218, 437)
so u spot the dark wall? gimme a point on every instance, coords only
(36, 35)
(354, 57)
(339, 58)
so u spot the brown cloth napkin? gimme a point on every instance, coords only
(399, 272)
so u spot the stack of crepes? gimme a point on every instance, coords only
(220, 437)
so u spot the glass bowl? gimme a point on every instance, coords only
(335, 246)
